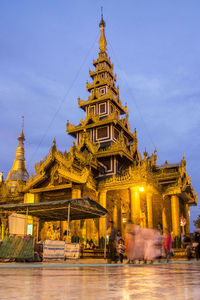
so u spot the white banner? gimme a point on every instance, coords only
(53, 250)
(72, 250)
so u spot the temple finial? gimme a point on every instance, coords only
(22, 121)
(102, 39)
(21, 136)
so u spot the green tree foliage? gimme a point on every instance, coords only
(197, 222)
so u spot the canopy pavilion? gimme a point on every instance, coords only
(60, 210)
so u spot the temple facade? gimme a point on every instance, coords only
(104, 163)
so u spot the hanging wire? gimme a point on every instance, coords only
(63, 99)
(134, 100)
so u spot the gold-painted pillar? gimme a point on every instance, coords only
(102, 220)
(187, 226)
(88, 229)
(149, 209)
(76, 225)
(35, 228)
(135, 205)
(3, 227)
(164, 220)
(36, 221)
(115, 216)
(175, 220)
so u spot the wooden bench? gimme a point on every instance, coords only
(93, 253)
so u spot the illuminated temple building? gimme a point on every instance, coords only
(104, 163)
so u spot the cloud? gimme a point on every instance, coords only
(165, 101)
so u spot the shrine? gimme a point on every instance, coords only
(105, 164)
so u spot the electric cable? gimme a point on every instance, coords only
(63, 100)
(134, 100)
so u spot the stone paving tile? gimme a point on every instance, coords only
(164, 281)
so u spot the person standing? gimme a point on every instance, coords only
(167, 244)
(112, 251)
(121, 250)
(196, 244)
(118, 237)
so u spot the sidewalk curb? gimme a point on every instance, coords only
(78, 265)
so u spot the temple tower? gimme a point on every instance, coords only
(18, 171)
(106, 120)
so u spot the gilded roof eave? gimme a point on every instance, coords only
(112, 118)
(83, 103)
(174, 180)
(67, 167)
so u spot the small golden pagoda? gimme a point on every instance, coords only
(105, 164)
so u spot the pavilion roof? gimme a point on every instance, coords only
(81, 208)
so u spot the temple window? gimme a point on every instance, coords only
(91, 134)
(30, 229)
(125, 140)
(102, 108)
(92, 110)
(112, 108)
(102, 91)
(108, 164)
(116, 134)
(103, 75)
(102, 132)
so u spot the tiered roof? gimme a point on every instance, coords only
(103, 91)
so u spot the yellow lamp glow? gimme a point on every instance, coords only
(141, 189)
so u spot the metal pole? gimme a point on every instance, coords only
(68, 220)
(26, 231)
(37, 230)
(105, 239)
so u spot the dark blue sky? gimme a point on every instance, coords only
(47, 48)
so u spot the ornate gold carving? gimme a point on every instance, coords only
(91, 100)
(70, 127)
(90, 117)
(119, 146)
(125, 122)
(4, 190)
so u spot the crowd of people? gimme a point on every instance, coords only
(140, 244)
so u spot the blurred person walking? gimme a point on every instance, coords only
(138, 251)
(129, 241)
(152, 244)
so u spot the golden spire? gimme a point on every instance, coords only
(18, 171)
(102, 39)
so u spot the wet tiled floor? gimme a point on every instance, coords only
(145, 282)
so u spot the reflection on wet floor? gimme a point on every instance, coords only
(180, 282)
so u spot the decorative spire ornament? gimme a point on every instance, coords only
(102, 39)
(18, 171)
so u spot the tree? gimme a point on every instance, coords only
(197, 222)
